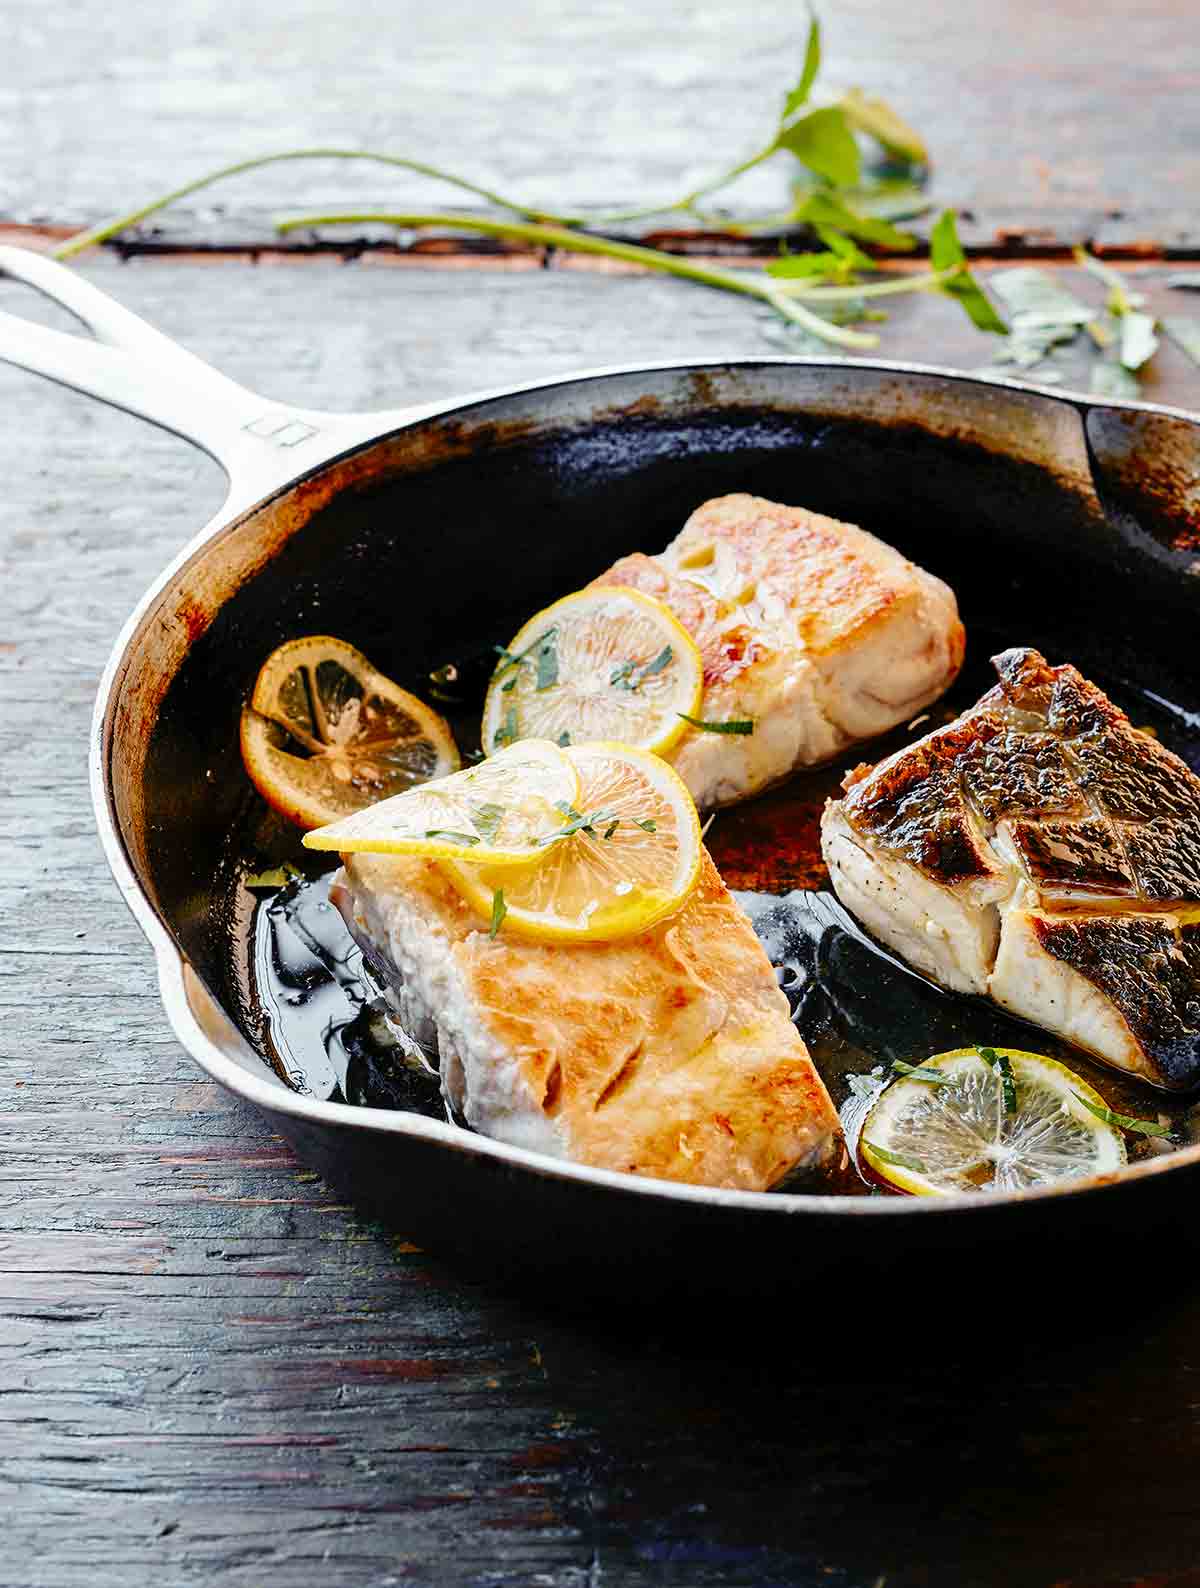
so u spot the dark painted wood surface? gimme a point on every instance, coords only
(1079, 119)
(210, 1371)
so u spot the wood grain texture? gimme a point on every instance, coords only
(212, 1372)
(1047, 123)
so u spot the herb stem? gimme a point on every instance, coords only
(923, 282)
(111, 228)
(547, 236)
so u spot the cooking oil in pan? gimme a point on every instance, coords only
(329, 1032)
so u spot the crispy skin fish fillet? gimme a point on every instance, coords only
(817, 631)
(1042, 851)
(670, 1054)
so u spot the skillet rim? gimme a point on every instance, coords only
(179, 984)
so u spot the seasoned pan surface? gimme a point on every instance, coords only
(440, 560)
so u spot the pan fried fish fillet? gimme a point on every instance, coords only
(815, 630)
(1042, 851)
(669, 1054)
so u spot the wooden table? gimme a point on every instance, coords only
(209, 1370)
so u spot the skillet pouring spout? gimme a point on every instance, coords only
(426, 535)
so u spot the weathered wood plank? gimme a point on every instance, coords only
(1051, 124)
(212, 1371)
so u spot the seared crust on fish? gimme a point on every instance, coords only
(813, 629)
(1044, 852)
(670, 1054)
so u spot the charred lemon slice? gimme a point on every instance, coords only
(983, 1119)
(625, 854)
(604, 663)
(324, 734)
(499, 811)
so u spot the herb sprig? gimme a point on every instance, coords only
(742, 725)
(835, 198)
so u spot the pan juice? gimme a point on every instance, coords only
(328, 1031)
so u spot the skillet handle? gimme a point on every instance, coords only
(127, 363)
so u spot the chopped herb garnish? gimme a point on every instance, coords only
(276, 877)
(628, 675)
(577, 822)
(917, 1072)
(511, 659)
(1143, 1127)
(733, 725)
(547, 660)
(563, 739)
(1008, 1084)
(499, 911)
(450, 836)
(487, 818)
(901, 1159)
(647, 826)
(509, 683)
(508, 732)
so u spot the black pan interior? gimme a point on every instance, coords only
(439, 559)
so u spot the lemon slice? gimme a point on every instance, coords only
(324, 734)
(496, 811)
(604, 663)
(628, 853)
(934, 1139)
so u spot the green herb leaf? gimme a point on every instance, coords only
(823, 142)
(1184, 333)
(1034, 298)
(734, 725)
(821, 208)
(628, 675)
(656, 664)
(547, 660)
(808, 73)
(1114, 380)
(946, 253)
(611, 830)
(563, 739)
(499, 911)
(1143, 1127)
(916, 1072)
(900, 1159)
(450, 836)
(508, 732)
(879, 121)
(647, 826)
(1138, 341)
(487, 819)
(1008, 1084)
(275, 877)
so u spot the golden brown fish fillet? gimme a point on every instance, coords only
(1044, 852)
(815, 630)
(670, 1054)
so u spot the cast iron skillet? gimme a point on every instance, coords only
(1062, 523)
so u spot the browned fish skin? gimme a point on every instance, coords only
(1080, 837)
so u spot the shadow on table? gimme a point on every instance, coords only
(1001, 1434)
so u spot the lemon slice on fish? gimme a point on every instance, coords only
(497, 812)
(1009, 1122)
(605, 663)
(626, 853)
(325, 733)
